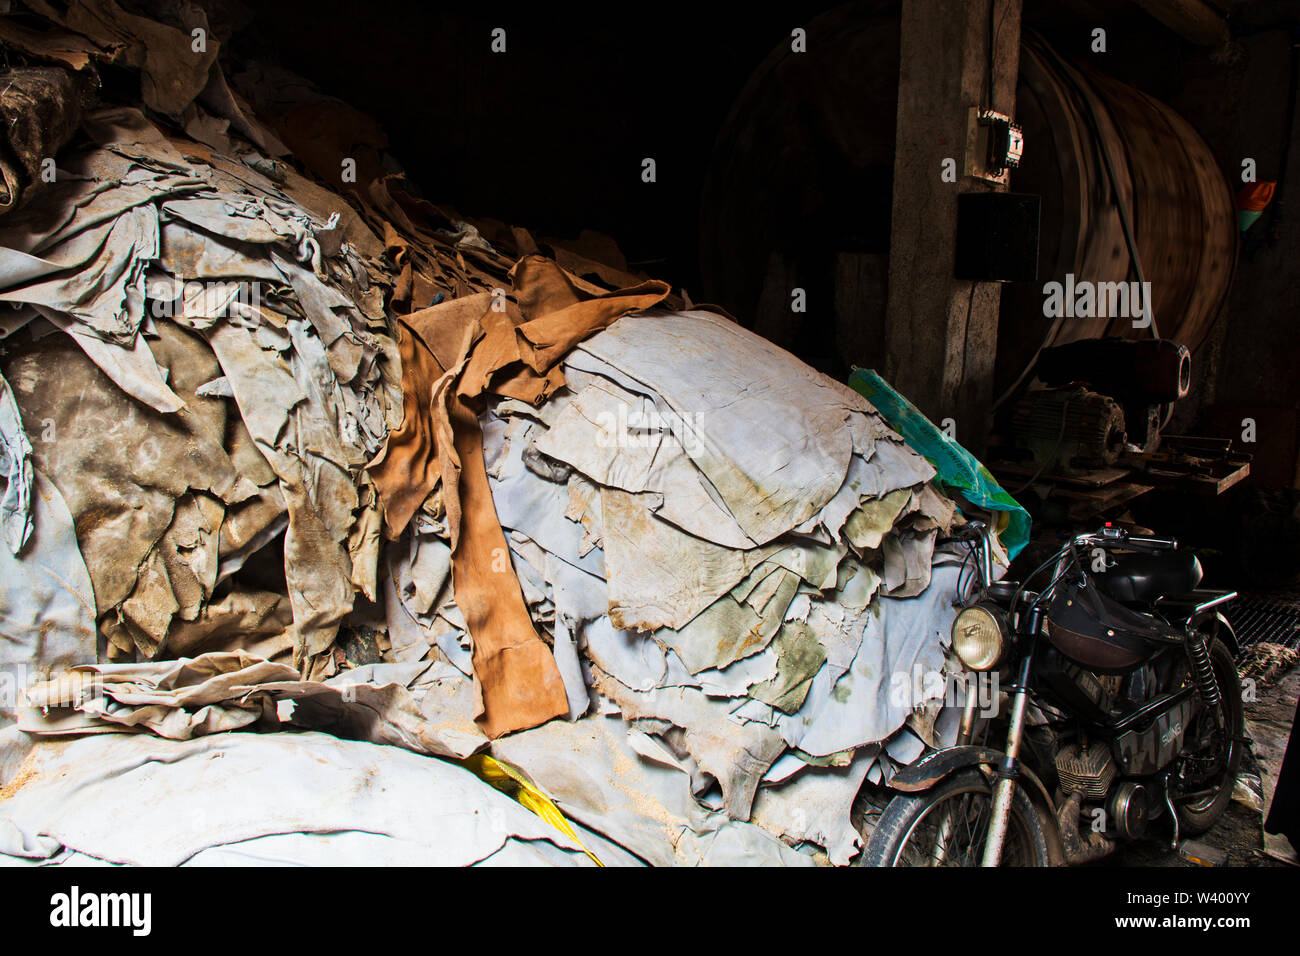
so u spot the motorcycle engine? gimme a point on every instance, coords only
(1088, 771)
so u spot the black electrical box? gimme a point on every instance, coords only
(997, 237)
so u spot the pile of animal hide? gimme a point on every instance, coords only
(279, 451)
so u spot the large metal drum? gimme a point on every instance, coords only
(1098, 146)
(799, 195)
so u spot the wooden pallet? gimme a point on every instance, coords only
(1205, 467)
(1088, 504)
(1092, 478)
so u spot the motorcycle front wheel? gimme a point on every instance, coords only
(947, 825)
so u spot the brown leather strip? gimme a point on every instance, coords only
(516, 353)
(518, 681)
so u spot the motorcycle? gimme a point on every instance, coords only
(1118, 704)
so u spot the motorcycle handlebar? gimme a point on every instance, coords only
(1117, 538)
(1156, 544)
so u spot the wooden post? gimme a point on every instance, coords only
(940, 333)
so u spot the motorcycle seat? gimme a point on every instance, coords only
(1145, 578)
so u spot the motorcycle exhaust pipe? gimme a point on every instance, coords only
(1080, 848)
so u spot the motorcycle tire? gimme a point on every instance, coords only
(1194, 819)
(900, 819)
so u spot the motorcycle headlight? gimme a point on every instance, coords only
(979, 637)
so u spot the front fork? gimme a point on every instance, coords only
(1005, 788)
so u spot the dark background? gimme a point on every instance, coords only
(551, 134)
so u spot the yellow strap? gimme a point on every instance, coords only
(513, 782)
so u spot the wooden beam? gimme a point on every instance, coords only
(1194, 20)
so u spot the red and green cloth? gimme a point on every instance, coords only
(1252, 200)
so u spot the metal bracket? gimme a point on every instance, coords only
(994, 144)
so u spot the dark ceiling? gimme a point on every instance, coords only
(551, 134)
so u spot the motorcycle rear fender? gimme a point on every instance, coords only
(1215, 623)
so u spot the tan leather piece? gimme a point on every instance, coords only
(515, 675)
(443, 327)
(541, 288)
(497, 350)
(430, 341)
(524, 385)
(515, 351)
(546, 340)
(405, 469)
